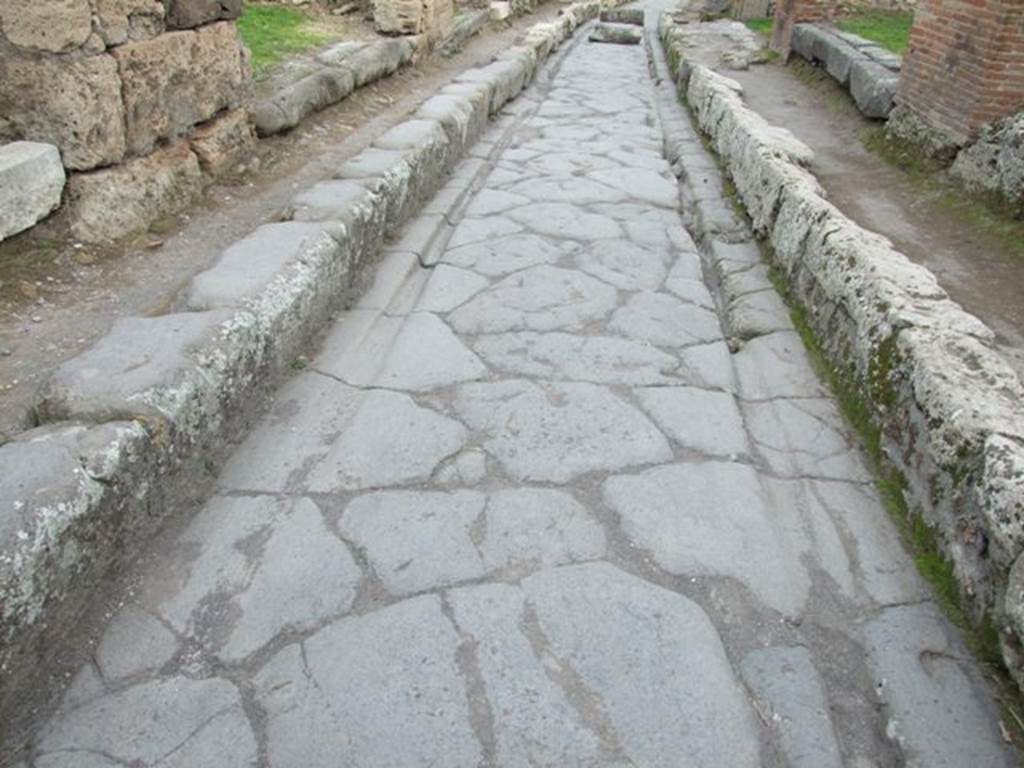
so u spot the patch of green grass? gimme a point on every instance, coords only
(988, 215)
(273, 33)
(761, 26)
(890, 29)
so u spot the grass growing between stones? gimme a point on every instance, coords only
(919, 538)
(761, 26)
(988, 215)
(890, 29)
(273, 33)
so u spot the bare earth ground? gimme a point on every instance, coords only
(974, 266)
(56, 298)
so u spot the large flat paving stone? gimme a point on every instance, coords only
(700, 420)
(172, 723)
(325, 436)
(541, 298)
(710, 519)
(664, 320)
(776, 365)
(625, 264)
(418, 541)
(563, 220)
(248, 569)
(599, 359)
(502, 255)
(680, 703)
(415, 353)
(379, 689)
(557, 431)
(937, 710)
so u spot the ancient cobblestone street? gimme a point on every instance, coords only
(526, 508)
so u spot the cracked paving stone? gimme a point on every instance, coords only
(598, 359)
(415, 353)
(626, 265)
(704, 421)
(785, 679)
(502, 255)
(325, 436)
(776, 365)
(374, 690)
(540, 298)
(449, 287)
(574, 190)
(939, 713)
(418, 541)
(558, 431)
(566, 221)
(598, 622)
(480, 230)
(710, 519)
(168, 723)
(487, 202)
(251, 568)
(135, 642)
(533, 720)
(640, 184)
(660, 319)
(805, 437)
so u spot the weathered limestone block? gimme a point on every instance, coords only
(873, 88)
(225, 141)
(185, 14)
(399, 17)
(118, 21)
(65, 492)
(379, 59)
(623, 16)
(180, 79)
(111, 203)
(995, 163)
(74, 104)
(31, 183)
(46, 25)
(316, 88)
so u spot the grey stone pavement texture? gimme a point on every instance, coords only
(525, 508)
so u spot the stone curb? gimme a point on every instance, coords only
(137, 423)
(948, 405)
(870, 72)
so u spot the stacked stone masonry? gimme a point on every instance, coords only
(948, 405)
(870, 72)
(133, 421)
(114, 84)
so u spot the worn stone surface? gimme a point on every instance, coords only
(582, 557)
(75, 105)
(224, 142)
(994, 164)
(621, 34)
(119, 21)
(113, 202)
(51, 26)
(177, 80)
(183, 14)
(31, 183)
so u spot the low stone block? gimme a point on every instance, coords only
(621, 34)
(380, 59)
(839, 59)
(74, 104)
(31, 183)
(623, 16)
(295, 100)
(500, 10)
(185, 14)
(66, 514)
(873, 88)
(53, 26)
(178, 80)
(225, 141)
(113, 202)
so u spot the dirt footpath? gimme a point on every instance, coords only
(57, 297)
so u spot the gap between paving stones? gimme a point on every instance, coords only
(947, 404)
(135, 427)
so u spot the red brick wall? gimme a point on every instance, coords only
(790, 12)
(965, 64)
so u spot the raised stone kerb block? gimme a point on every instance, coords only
(31, 183)
(623, 34)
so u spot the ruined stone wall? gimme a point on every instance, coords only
(139, 96)
(964, 68)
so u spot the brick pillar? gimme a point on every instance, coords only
(790, 12)
(964, 68)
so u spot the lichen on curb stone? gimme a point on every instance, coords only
(948, 407)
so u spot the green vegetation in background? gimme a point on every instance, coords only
(273, 33)
(890, 29)
(761, 26)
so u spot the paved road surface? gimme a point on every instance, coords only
(524, 508)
